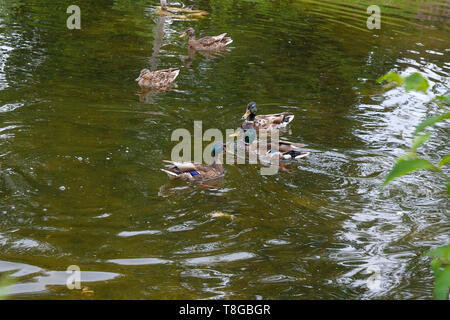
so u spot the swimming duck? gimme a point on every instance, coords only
(281, 150)
(197, 171)
(265, 122)
(206, 43)
(157, 79)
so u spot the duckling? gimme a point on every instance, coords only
(197, 171)
(266, 122)
(157, 79)
(206, 43)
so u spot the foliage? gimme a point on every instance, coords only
(410, 162)
(441, 269)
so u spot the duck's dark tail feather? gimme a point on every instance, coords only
(288, 118)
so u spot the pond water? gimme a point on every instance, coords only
(81, 151)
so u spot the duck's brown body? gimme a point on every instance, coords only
(268, 122)
(281, 150)
(197, 171)
(207, 43)
(159, 79)
(265, 122)
(194, 171)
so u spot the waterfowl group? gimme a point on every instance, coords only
(162, 79)
(253, 123)
(273, 151)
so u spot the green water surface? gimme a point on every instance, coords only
(81, 151)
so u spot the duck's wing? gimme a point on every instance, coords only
(164, 77)
(277, 118)
(207, 41)
(212, 42)
(286, 146)
(290, 149)
(182, 166)
(207, 172)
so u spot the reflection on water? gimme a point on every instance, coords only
(81, 152)
(36, 280)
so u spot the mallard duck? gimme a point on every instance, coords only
(157, 79)
(265, 122)
(197, 171)
(281, 150)
(206, 43)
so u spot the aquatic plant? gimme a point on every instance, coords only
(441, 269)
(410, 162)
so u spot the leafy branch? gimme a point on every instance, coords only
(441, 269)
(410, 162)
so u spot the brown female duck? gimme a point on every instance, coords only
(206, 43)
(157, 79)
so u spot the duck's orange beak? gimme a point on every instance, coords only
(183, 35)
(246, 115)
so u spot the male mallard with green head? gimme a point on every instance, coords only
(206, 43)
(198, 171)
(265, 122)
(282, 149)
(157, 79)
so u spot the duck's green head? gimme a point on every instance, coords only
(251, 111)
(217, 148)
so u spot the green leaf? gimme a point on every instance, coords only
(407, 156)
(430, 121)
(444, 160)
(441, 269)
(418, 141)
(403, 167)
(442, 284)
(391, 77)
(436, 265)
(441, 252)
(416, 82)
(445, 99)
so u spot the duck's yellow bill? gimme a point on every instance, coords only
(246, 115)
(183, 35)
